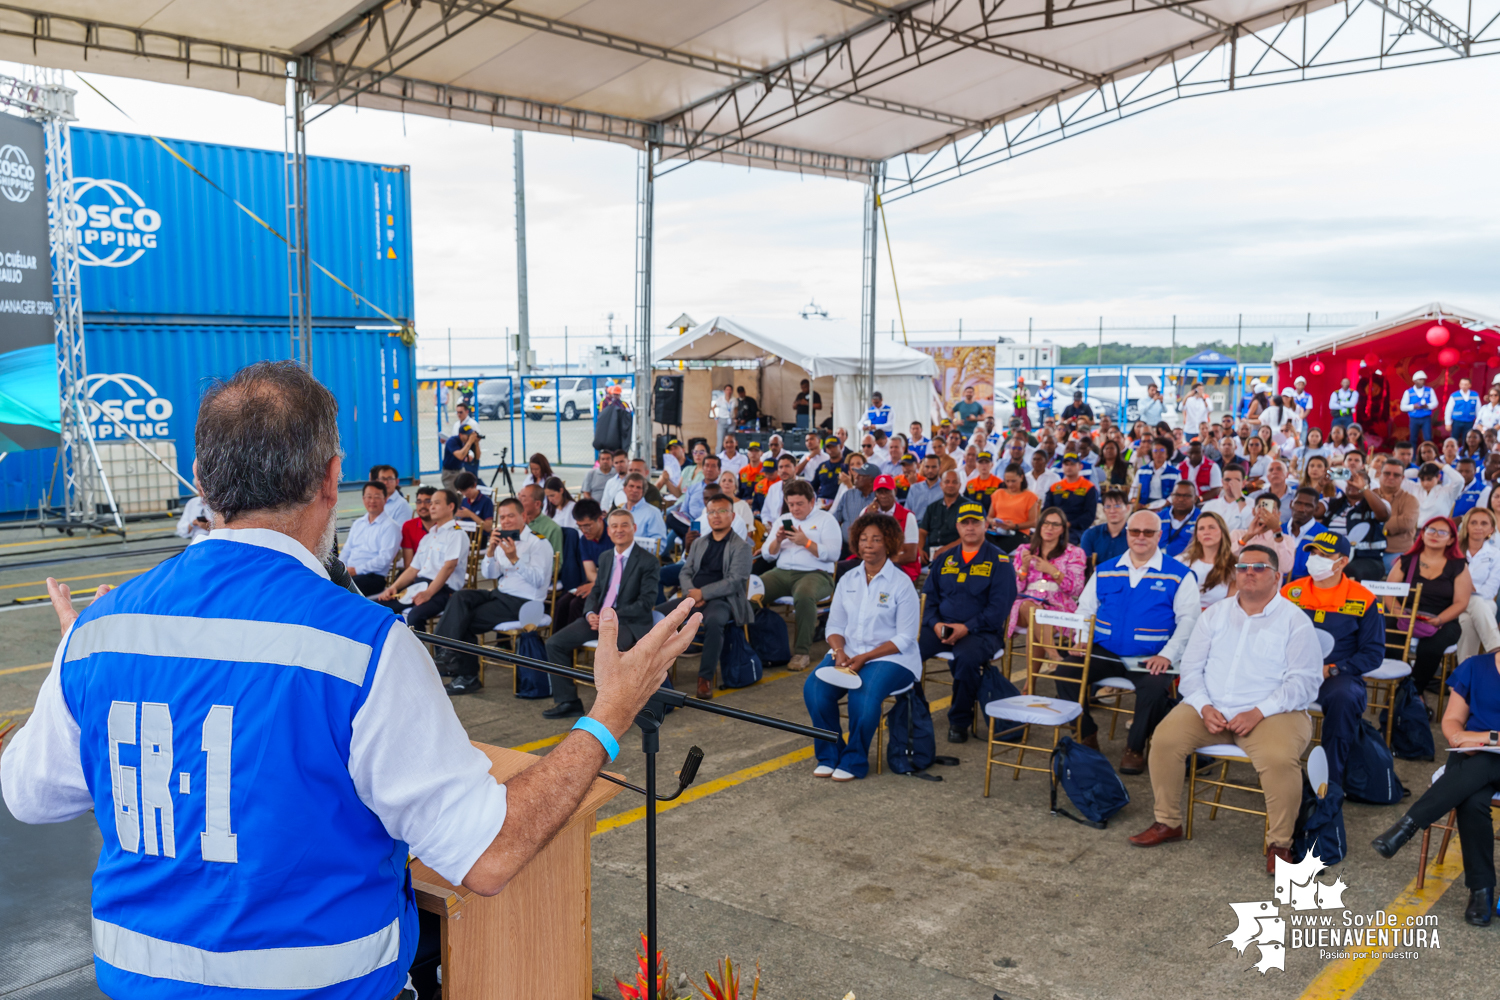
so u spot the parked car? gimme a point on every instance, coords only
(498, 397)
(569, 397)
(1114, 389)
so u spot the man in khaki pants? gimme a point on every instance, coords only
(1251, 669)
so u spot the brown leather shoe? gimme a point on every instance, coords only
(1272, 853)
(1132, 762)
(705, 688)
(1091, 741)
(798, 663)
(1157, 834)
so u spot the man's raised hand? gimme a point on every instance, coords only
(627, 680)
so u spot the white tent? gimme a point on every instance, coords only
(821, 348)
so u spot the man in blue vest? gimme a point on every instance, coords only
(1155, 479)
(1474, 487)
(1462, 408)
(1144, 607)
(969, 593)
(1046, 399)
(1347, 611)
(878, 416)
(1179, 520)
(229, 717)
(1417, 403)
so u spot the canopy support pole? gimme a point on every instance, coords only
(867, 292)
(298, 278)
(645, 209)
(523, 341)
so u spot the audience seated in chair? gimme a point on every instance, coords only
(592, 540)
(805, 546)
(715, 575)
(872, 633)
(373, 543)
(521, 563)
(443, 552)
(417, 526)
(627, 581)
(1249, 673)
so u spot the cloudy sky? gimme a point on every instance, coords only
(1364, 194)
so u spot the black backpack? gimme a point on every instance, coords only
(532, 683)
(1411, 736)
(739, 664)
(768, 637)
(911, 744)
(1320, 825)
(1090, 781)
(1369, 771)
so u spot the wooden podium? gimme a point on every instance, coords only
(533, 940)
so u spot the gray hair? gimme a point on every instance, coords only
(264, 439)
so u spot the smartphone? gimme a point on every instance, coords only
(786, 524)
(942, 631)
(511, 535)
(1269, 503)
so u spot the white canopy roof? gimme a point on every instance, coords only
(819, 86)
(1467, 318)
(820, 347)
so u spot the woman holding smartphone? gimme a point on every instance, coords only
(1049, 571)
(1437, 563)
(1265, 529)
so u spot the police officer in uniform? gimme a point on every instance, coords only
(969, 593)
(233, 719)
(1346, 610)
(825, 481)
(1144, 607)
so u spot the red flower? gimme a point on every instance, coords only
(640, 991)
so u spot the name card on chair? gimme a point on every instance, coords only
(1383, 588)
(1061, 619)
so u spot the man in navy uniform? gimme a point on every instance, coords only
(969, 594)
(229, 718)
(825, 481)
(1346, 610)
(1144, 607)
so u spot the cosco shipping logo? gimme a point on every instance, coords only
(115, 226)
(128, 400)
(17, 174)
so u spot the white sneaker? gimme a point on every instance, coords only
(842, 775)
(822, 771)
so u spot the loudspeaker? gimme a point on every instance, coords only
(660, 450)
(666, 403)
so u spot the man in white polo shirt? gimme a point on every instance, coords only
(441, 562)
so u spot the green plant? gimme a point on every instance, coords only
(727, 986)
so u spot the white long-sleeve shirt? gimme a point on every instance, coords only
(1484, 569)
(822, 530)
(1460, 395)
(1343, 399)
(529, 576)
(372, 545)
(191, 511)
(397, 509)
(1236, 662)
(1418, 399)
(436, 793)
(886, 609)
(1185, 604)
(1488, 416)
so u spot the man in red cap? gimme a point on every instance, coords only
(909, 559)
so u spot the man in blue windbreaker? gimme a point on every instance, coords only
(233, 718)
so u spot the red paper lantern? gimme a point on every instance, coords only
(1447, 357)
(1437, 335)
(1492, 362)
(1317, 368)
(1372, 358)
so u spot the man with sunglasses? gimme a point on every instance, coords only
(1144, 606)
(1249, 673)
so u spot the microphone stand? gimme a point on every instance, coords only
(649, 721)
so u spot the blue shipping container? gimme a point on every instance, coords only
(150, 377)
(157, 240)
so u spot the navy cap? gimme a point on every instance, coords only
(967, 511)
(1327, 543)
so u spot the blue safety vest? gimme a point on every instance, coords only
(1170, 475)
(1174, 541)
(1420, 400)
(880, 417)
(215, 698)
(1045, 397)
(1137, 621)
(1465, 406)
(918, 448)
(1469, 497)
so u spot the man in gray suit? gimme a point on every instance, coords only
(716, 575)
(627, 581)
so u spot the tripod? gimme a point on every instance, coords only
(503, 469)
(649, 721)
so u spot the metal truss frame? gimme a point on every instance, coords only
(84, 480)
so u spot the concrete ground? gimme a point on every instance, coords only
(891, 886)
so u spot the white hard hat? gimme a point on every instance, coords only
(1418, 375)
(1300, 378)
(1495, 380)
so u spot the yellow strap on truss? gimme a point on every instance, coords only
(240, 205)
(897, 288)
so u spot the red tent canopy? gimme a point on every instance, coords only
(1394, 349)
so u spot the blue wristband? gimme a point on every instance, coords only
(598, 731)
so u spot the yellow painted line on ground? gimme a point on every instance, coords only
(15, 712)
(540, 744)
(68, 579)
(765, 679)
(702, 791)
(22, 670)
(1343, 978)
(69, 548)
